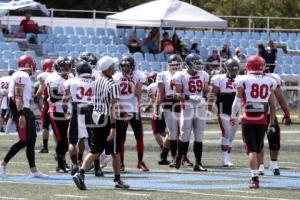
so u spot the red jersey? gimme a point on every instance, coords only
(29, 25)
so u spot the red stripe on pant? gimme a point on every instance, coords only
(54, 126)
(221, 126)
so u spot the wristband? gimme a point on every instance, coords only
(113, 125)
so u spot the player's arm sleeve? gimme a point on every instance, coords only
(237, 103)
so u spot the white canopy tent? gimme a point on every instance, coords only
(167, 13)
(6, 6)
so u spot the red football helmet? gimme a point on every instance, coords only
(255, 64)
(48, 65)
(26, 62)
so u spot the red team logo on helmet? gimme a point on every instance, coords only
(255, 64)
(48, 65)
(26, 62)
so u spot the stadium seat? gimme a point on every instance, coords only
(236, 35)
(196, 40)
(63, 53)
(47, 48)
(78, 48)
(208, 34)
(18, 54)
(255, 35)
(224, 41)
(274, 36)
(79, 31)
(292, 36)
(101, 48)
(121, 32)
(215, 42)
(234, 43)
(287, 60)
(144, 66)
(264, 36)
(13, 64)
(149, 57)
(244, 43)
(89, 31)
(138, 57)
(251, 51)
(253, 43)
(111, 32)
(15, 28)
(111, 48)
(246, 35)
(164, 66)
(74, 39)
(228, 34)
(128, 32)
(117, 40)
(117, 55)
(42, 38)
(199, 35)
(58, 30)
(95, 40)
(187, 34)
(203, 52)
(31, 53)
(218, 34)
(100, 31)
(84, 40)
(283, 37)
(186, 41)
(155, 66)
(161, 57)
(91, 48)
(3, 65)
(58, 47)
(278, 69)
(295, 69)
(7, 54)
(297, 43)
(291, 45)
(296, 60)
(286, 70)
(205, 42)
(13, 46)
(106, 40)
(140, 33)
(62, 39)
(280, 52)
(180, 33)
(68, 47)
(69, 30)
(122, 48)
(74, 53)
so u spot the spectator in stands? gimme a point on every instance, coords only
(261, 50)
(177, 44)
(271, 56)
(224, 55)
(194, 48)
(27, 25)
(166, 44)
(226, 50)
(152, 41)
(213, 61)
(134, 44)
(4, 29)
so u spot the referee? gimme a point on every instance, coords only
(106, 96)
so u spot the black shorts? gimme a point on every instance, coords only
(158, 125)
(274, 139)
(59, 125)
(253, 137)
(45, 118)
(136, 125)
(80, 126)
(99, 138)
(3, 113)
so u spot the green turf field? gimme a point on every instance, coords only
(161, 182)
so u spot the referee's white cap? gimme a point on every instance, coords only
(105, 62)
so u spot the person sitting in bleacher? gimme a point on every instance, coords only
(177, 44)
(213, 61)
(27, 25)
(134, 44)
(152, 41)
(194, 48)
(226, 50)
(166, 44)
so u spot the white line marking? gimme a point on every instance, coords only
(12, 198)
(134, 194)
(71, 196)
(242, 191)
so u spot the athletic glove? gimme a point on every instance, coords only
(286, 119)
(271, 129)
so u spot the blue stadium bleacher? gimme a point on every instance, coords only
(79, 31)
(89, 31)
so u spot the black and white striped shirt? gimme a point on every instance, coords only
(105, 90)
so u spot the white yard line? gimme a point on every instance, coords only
(241, 191)
(134, 194)
(71, 196)
(12, 198)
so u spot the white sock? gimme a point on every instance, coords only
(254, 172)
(261, 167)
(225, 156)
(274, 165)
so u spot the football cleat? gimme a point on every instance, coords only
(121, 184)
(172, 164)
(261, 170)
(177, 162)
(164, 162)
(276, 172)
(44, 150)
(142, 166)
(74, 169)
(2, 171)
(186, 162)
(78, 179)
(38, 174)
(99, 173)
(254, 183)
(199, 168)
(61, 170)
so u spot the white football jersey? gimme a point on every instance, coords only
(166, 78)
(4, 88)
(276, 77)
(225, 84)
(95, 74)
(21, 77)
(192, 86)
(152, 88)
(56, 81)
(128, 100)
(81, 90)
(42, 77)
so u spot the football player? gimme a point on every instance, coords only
(130, 81)
(158, 122)
(42, 91)
(92, 60)
(4, 85)
(274, 139)
(255, 96)
(79, 91)
(224, 91)
(191, 85)
(167, 99)
(20, 93)
(59, 121)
